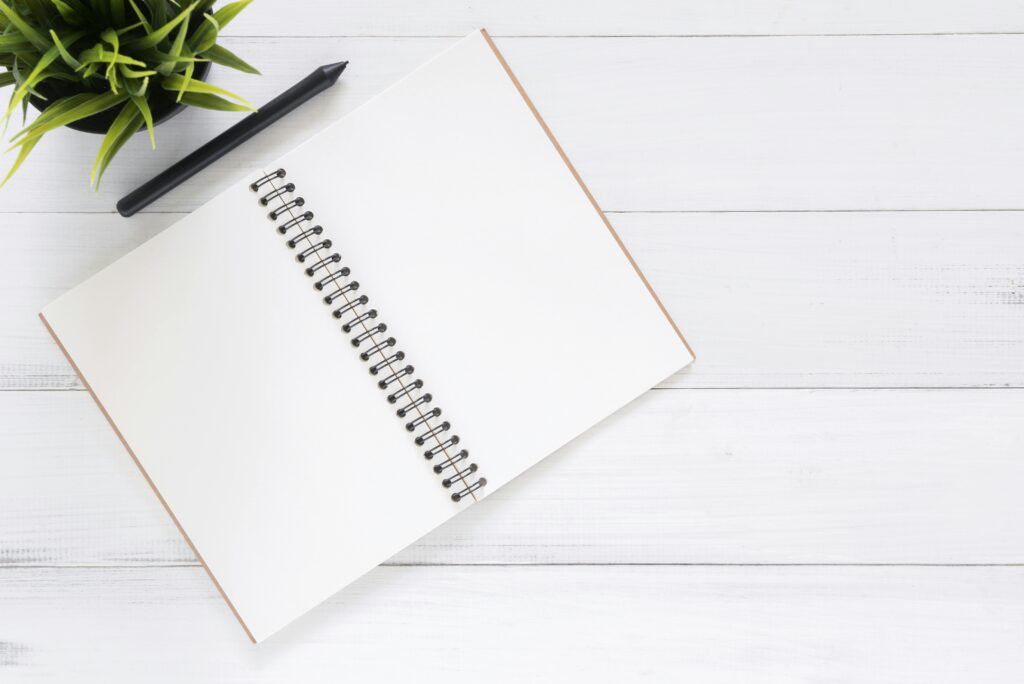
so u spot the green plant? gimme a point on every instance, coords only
(110, 54)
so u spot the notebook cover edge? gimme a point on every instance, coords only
(583, 186)
(145, 475)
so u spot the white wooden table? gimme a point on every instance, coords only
(827, 195)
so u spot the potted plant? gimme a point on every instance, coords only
(111, 66)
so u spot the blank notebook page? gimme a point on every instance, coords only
(253, 416)
(487, 259)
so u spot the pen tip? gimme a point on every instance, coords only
(333, 71)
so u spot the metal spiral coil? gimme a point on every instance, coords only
(387, 363)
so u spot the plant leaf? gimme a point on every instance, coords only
(206, 35)
(14, 42)
(213, 102)
(61, 76)
(130, 27)
(32, 35)
(16, 74)
(176, 82)
(110, 36)
(117, 11)
(135, 85)
(33, 77)
(128, 72)
(55, 109)
(39, 10)
(221, 55)
(142, 17)
(127, 123)
(81, 106)
(62, 49)
(97, 55)
(159, 8)
(26, 149)
(132, 46)
(143, 106)
(168, 67)
(158, 34)
(100, 10)
(186, 79)
(154, 55)
(73, 15)
(228, 12)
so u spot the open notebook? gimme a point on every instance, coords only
(368, 335)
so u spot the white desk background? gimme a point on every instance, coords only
(828, 197)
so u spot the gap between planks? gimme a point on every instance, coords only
(609, 211)
(387, 564)
(759, 388)
(629, 36)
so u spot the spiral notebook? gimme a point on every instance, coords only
(365, 337)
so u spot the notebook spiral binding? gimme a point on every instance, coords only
(386, 362)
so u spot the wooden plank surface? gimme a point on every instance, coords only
(723, 476)
(615, 18)
(896, 299)
(697, 123)
(558, 624)
(655, 124)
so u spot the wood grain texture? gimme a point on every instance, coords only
(611, 17)
(96, 585)
(774, 476)
(558, 624)
(655, 124)
(900, 299)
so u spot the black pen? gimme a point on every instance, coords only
(321, 79)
